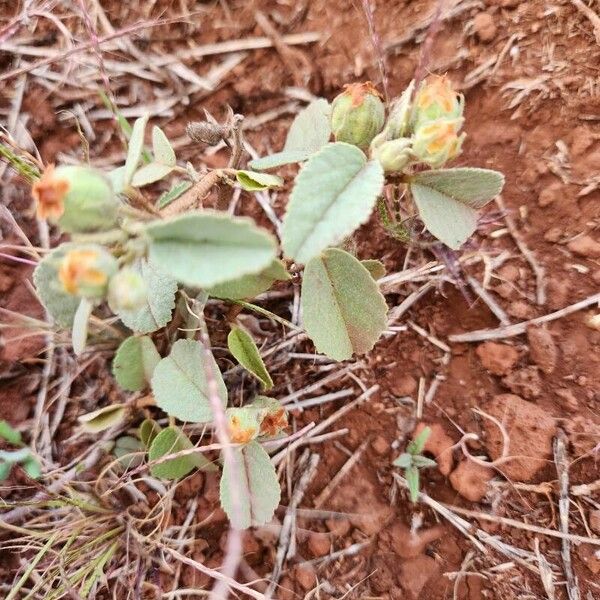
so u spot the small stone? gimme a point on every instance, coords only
(530, 430)
(319, 544)
(306, 577)
(439, 443)
(542, 349)
(550, 194)
(484, 27)
(380, 445)
(470, 480)
(595, 521)
(339, 527)
(405, 385)
(496, 358)
(553, 235)
(585, 245)
(568, 399)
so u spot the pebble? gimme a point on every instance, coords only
(553, 235)
(319, 544)
(542, 349)
(305, 575)
(550, 194)
(496, 358)
(484, 27)
(585, 245)
(470, 480)
(380, 445)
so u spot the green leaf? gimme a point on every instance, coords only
(81, 319)
(167, 197)
(448, 200)
(249, 286)
(179, 383)
(255, 182)
(162, 149)
(404, 461)
(32, 467)
(156, 312)
(117, 179)
(474, 187)
(134, 363)
(311, 128)
(375, 267)
(130, 451)
(60, 305)
(343, 310)
(412, 478)
(4, 470)
(206, 248)
(245, 351)
(334, 194)
(170, 441)
(450, 221)
(256, 487)
(417, 445)
(149, 429)
(309, 132)
(8, 434)
(135, 148)
(279, 159)
(103, 418)
(422, 462)
(150, 173)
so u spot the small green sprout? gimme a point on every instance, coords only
(412, 460)
(22, 456)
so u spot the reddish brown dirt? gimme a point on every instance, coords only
(548, 145)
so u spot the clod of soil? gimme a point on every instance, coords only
(496, 358)
(585, 246)
(406, 543)
(319, 544)
(590, 556)
(542, 349)
(305, 575)
(550, 194)
(595, 521)
(530, 430)
(567, 399)
(525, 382)
(404, 385)
(415, 573)
(484, 27)
(439, 443)
(470, 480)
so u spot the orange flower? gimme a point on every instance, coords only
(49, 193)
(274, 423)
(79, 272)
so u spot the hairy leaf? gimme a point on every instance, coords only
(207, 248)
(417, 445)
(150, 173)
(449, 220)
(343, 310)
(156, 312)
(250, 286)
(167, 197)
(245, 351)
(129, 450)
(134, 363)
(103, 418)
(170, 441)
(180, 386)
(412, 478)
(162, 149)
(334, 194)
(135, 148)
(8, 434)
(474, 187)
(309, 132)
(81, 319)
(256, 487)
(149, 429)
(255, 182)
(60, 305)
(375, 267)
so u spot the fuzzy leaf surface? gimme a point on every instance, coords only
(134, 363)
(375, 267)
(156, 312)
(179, 383)
(169, 441)
(343, 310)
(150, 173)
(162, 149)
(79, 333)
(207, 248)
(252, 181)
(257, 487)
(334, 194)
(135, 148)
(103, 418)
(249, 286)
(246, 352)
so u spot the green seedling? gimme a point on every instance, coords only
(22, 456)
(148, 255)
(412, 461)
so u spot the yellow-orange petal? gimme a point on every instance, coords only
(49, 193)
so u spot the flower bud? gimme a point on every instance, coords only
(437, 142)
(85, 271)
(79, 199)
(393, 155)
(436, 99)
(357, 114)
(127, 290)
